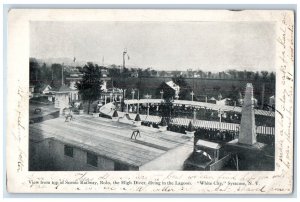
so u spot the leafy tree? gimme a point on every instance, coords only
(185, 89)
(153, 72)
(264, 75)
(34, 71)
(90, 86)
(201, 73)
(233, 73)
(241, 75)
(166, 110)
(234, 94)
(256, 76)
(175, 73)
(209, 74)
(168, 93)
(114, 71)
(163, 73)
(56, 75)
(272, 76)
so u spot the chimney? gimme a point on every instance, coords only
(247, 132)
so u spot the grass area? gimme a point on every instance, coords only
(202, 87)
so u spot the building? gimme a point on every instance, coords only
(76, 77)
(111, 95)
(223, 102)
(170, 89)
(73, 79)
(64, 96)
(272, 102)
(106, 145)
(204, 157)
(31, 91)
(104, 73)
(45, 88)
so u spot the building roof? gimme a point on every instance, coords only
(172, 85)
(62, 89)
(208, 144)
(110, 139)
(202, 105)
(44, 86)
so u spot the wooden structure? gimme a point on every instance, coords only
(110, 141)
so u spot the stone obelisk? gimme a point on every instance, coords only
(247, 128)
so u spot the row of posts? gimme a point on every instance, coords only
(112, 96)
(148, 104)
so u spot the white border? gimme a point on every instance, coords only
(174, 3)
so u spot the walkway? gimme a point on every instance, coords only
(108, 109)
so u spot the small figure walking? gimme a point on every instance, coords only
(135, 133)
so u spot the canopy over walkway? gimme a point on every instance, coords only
(196, 104)
(108, 109)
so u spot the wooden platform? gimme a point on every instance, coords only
(110, 139)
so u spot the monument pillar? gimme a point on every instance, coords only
(247, 128)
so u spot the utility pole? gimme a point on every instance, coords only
(138, 105)
(124, 53)
(62, 74)
(263, 96)
(147, 96)
(220, 121)
(51, 73)
(132, 92)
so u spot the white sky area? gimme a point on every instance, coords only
(209, 46)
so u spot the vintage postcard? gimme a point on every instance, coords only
(150, 101)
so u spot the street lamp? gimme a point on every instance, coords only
(132, 92)
(110, 96)
(147, 96)
(138, 105)
(122, 100)
(220, 116)
(195, 113)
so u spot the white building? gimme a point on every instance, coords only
(174, 86)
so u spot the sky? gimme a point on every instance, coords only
(209, 46)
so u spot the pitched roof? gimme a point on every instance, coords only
(172, 84)
(208, 144)
(62, 88)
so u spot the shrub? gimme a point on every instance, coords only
(163, 122)
(137, 118)
(190, 127)
(115, 114)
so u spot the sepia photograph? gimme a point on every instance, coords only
(150, 101)
(152, 96)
